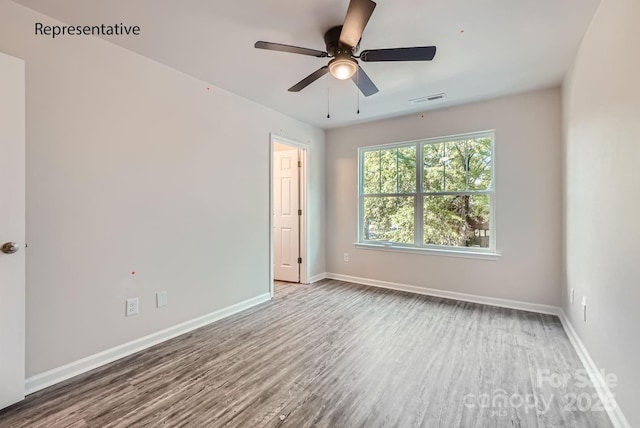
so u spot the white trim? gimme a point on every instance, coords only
(419, 193)
(59, 374)
(270, 184)
(304, 205)
(432, 140)
(303, 153)
(318, 277)
(430, 251)
(51, 377)
(474, 298)
(613, 410)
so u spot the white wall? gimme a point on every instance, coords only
(528, 200)
(133, 166)
(602, 198)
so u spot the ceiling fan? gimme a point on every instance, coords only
(342, 43)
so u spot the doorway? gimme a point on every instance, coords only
(288, 208)
(12, 229)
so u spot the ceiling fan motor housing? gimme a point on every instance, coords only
(333, 45)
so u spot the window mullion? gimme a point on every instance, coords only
(418, 199)
(466, 164)
(361, 223)
(361, 174)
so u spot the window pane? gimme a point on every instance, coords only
(390, 171)
(459, 165)
(454, 163)
(371, 172)
(433, 167)
(407, 169)
(480, 164)
(389, 218)
(459, 221)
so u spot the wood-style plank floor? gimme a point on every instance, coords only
(335, 354)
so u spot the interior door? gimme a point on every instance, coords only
(12, 230)
(286, 220)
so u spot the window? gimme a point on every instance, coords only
(435, 193)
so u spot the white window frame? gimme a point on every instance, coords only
(419, 194)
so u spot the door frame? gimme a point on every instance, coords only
(304, 206)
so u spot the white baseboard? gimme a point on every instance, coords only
(492, 301)
(51, 377)
(615, 413)
(613, 410)
(316, 278)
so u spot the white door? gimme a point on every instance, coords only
(12, 230)
(286, 220)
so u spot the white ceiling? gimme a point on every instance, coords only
(486, 48)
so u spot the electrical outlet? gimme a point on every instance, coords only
(573, 295)
(161, 299)
(133, 306)
(346, 257)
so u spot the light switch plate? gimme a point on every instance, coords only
(162, 298)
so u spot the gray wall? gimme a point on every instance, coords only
(528, 200)
(602, 196)
(133, 166)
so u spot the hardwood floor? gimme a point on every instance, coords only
(335, 354)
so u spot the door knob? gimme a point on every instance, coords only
(9, 247)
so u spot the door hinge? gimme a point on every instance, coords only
(299, 164)
(299, 212)
(299, 259)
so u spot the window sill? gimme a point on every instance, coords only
(482, 255)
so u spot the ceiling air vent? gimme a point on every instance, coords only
(430, 98)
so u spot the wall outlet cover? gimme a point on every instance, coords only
(133, 306)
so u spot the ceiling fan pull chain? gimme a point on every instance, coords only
(358, 91)
(328, 115)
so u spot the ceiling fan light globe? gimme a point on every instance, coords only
(343, 68)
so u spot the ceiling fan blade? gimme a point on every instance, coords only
(291, 49)
(309, 79)
(357, 17)
(364, 83)
(421, 53)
